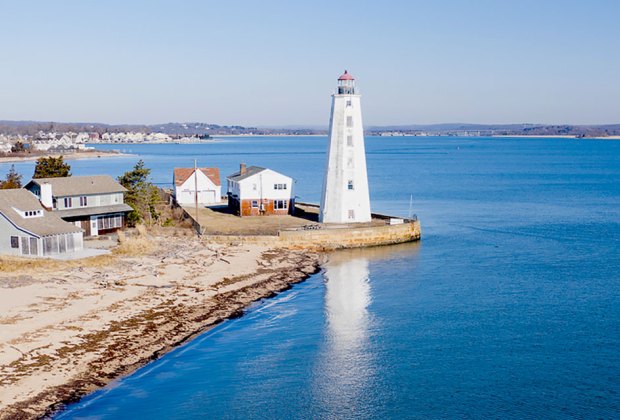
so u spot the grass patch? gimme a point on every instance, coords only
(135, 245)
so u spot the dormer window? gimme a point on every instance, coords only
(27, 214)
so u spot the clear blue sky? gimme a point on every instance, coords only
(276, 62)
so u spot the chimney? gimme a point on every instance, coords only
(242, 169)
(46, 195)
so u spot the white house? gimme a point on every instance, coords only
(206, 180)
(27, 229)
(256, 191)
(345, 197)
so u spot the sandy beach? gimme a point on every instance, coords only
(70, 327)
(91, 154)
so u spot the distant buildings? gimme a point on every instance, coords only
(94, 203)
(131, 137)
(63, 142)
(27, 229)
(69, 142)
(256, 191)
(206, 181)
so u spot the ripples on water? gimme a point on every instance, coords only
(507, 308)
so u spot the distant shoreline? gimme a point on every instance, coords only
(91, 154)
(552, 136)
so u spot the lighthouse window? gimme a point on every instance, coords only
(350, 184)
(349, 121)
(348, 103)
(349, 140)
(351, 214)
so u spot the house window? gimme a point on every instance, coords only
(83, 201)
(254, 204)
(350, 141)
(349, 121)
(67, 202)
(351, 214)
(279, 186)
(280, 204)
(109, 222)
(350, 184)
(25, 246)
(50, 245)
(70, 243)
(14, 242)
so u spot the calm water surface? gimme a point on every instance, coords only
(508, 307)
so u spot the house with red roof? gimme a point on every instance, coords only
(204, 181)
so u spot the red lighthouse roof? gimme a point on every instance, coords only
(346, 76)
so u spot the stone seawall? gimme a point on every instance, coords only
(324, 239)
(351, 237)
(329, 239)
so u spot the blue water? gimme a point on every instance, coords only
(508, 307)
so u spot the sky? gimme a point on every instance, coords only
(275, 63)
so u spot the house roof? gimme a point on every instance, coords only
(182, 174)
(81, 185)
(92, 211)
(24, 200)
(250, 171)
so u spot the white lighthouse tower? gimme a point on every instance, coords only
(345, 196)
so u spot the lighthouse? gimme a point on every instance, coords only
(345, 197)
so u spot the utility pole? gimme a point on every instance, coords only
(196, 195)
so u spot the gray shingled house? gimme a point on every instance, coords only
(94, 203)
(26, 228)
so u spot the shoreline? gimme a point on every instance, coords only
(113, 320)
(92, 154)
(552, 136)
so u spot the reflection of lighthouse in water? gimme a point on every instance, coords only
(347, 296)
(346, 364)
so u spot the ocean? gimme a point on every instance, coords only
(507, 308)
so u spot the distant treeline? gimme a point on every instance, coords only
(504, 130)
(31, 128)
